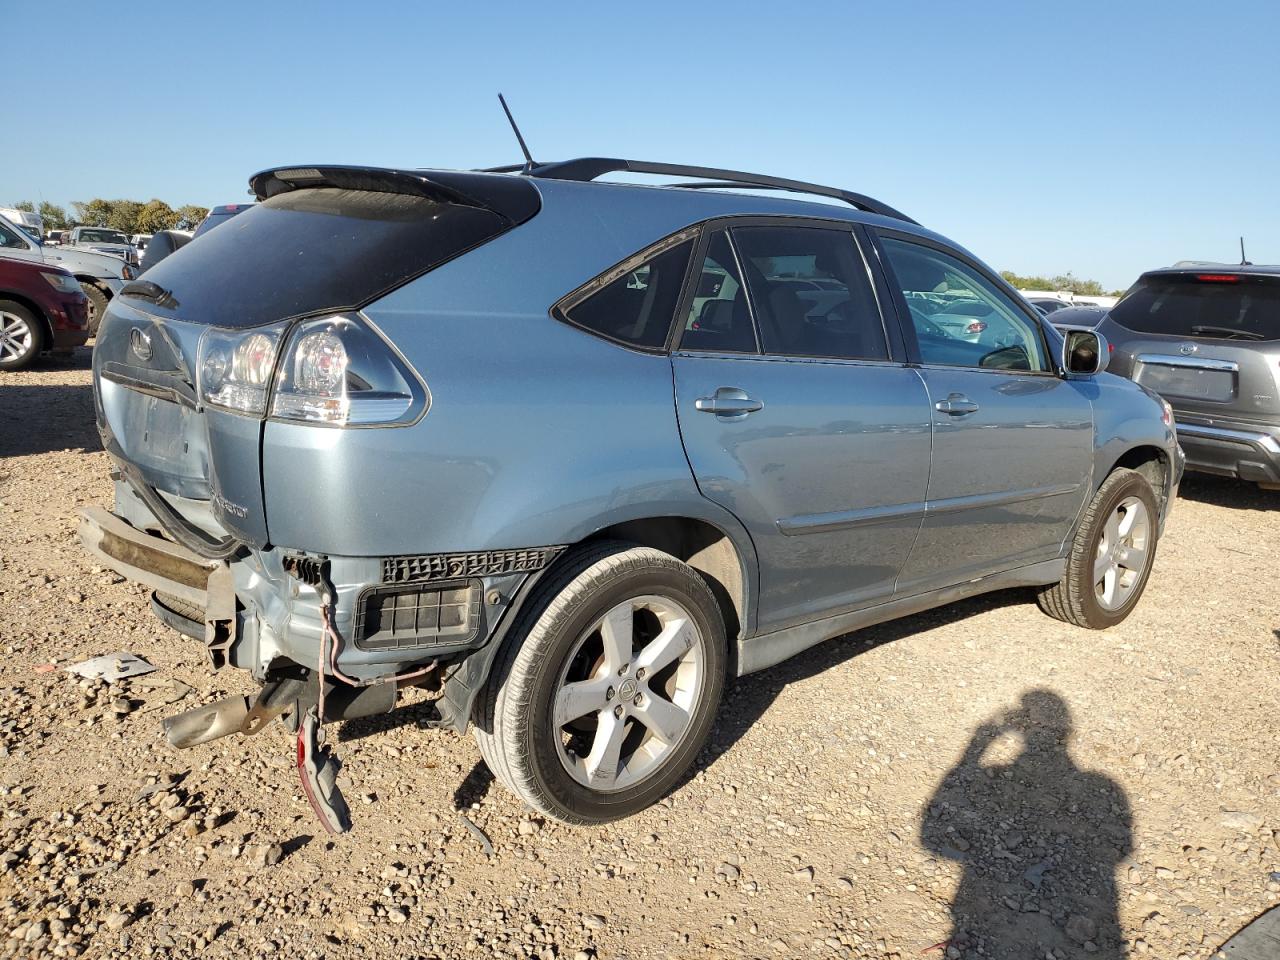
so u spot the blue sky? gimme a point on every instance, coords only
(1101, 138)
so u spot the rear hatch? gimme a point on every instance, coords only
(322, 240)
(1208, 340)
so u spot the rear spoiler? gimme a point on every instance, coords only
(515, 199)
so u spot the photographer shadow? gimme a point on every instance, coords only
(1039, 840)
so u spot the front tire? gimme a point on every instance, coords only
(1111, 555)
(97, 305)
(21, 336)
(607, 689)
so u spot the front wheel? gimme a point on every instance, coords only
(1111, 555)
(97, 305)
(603, 696)
(21, 336)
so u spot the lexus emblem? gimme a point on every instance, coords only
(1187, 349)
(140, 343)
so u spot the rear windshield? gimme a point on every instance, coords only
(1203, 305)
(215, 218)
(102, 236)
(312, 250)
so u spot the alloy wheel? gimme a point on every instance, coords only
(627, 694)
(16, 336)
(1123, 554)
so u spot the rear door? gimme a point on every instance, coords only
(1205, 340)
(1012, 441)
(800, 415)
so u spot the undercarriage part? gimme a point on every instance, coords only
(206, 723)
(318, 769)
(276, 697)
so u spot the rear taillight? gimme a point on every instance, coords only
(977, 326)
(1218, 277)
(338, 371)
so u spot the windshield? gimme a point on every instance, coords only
(1225, 306)
(102, 236)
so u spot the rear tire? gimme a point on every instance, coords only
(1111, 556)
(607, 687)
(97, 305)
(21, 336)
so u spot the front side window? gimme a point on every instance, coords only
(634, 303)
(10, 238)
(810, 290)
(960, 317)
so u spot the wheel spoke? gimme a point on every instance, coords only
(616, 633)
(578, 699)
(1109, 585)
(1133, 515)
(606, 750)
(673, 642)
(1111, 532)
(664, 719)
(1134, 558)
(1102, 563)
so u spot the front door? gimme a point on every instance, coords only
(796, 418)
(1012, 441)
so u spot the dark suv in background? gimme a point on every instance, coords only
(1206, 336)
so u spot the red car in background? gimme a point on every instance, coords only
(41, 308)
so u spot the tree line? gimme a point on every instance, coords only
(127, 216)
(1064, 281)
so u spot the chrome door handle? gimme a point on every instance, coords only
(728, 403)
(956, 405)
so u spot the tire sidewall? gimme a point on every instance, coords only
(552, 642)
(98, 301)
(1132, 485)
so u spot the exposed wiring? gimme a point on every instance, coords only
(329, 631)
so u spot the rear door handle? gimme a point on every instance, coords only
(956, 405)
(728, 403)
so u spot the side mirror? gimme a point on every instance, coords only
(1085, 352)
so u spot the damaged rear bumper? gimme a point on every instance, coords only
(166, 567)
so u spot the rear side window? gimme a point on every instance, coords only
(1215, 306)
(811, 293)
(635, 302)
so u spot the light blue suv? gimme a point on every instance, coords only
(572, 453)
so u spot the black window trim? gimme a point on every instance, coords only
(907, 327)
(560, 309)
(889, 325)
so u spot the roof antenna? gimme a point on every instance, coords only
(528, 157)
(1243, 261)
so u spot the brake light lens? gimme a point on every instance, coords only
(977, 326)
(340, 372)
(235, 368)
(1218, 277)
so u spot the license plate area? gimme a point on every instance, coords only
(1188, 382)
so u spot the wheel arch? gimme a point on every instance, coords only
(1149, 460)
(706, 547)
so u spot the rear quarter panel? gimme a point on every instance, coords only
(537, 433)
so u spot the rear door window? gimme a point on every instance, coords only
(1224, 306)
(635, 302)
(719, 318)
(811, 293)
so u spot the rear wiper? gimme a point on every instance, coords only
(146, 290)
(1229, 331)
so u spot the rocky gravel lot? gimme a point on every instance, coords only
(978, 781)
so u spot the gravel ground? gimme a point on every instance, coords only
(977, 781)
